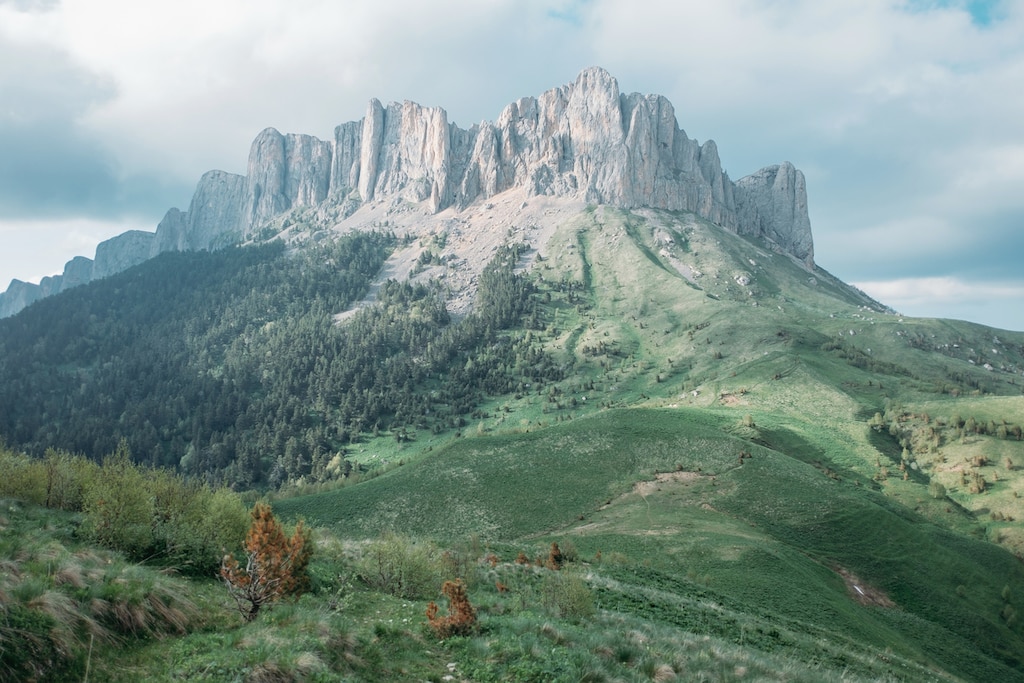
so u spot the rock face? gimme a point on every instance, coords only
(584, 140)
(285, 171)
(77, 271)
(214, 217)
(122, 252)
(772, 203)
(18, 295)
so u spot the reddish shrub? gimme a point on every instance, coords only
(461, 619)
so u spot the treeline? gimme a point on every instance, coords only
(859, 359)
(920, 433)
(230, 365)
(147, 514)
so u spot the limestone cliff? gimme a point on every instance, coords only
(584, 140)
(216, 215)
(122, 252)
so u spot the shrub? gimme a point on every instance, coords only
(22, 478)
(401, 567)
(195, 525)
(67, 477)
(555, 558)
(461, 618)
(117, 505)
(567, 596)
(275, 564)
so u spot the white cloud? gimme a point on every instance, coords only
(923, 290)
(44, 246)
(991, 175)
(992, 303)
(198, 80)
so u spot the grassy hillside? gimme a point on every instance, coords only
(775, 540)
(754, 472)
(770, 490)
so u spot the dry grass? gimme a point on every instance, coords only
(66, 601)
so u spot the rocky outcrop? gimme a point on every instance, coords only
(772, 204)
(122, 252)
(77, 271)
(285, 172)
(171, 232)
(584, 140)
(19, 294)
(215, 216)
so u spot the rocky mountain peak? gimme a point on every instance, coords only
(583, 141)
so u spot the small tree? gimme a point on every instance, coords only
(555, 558)
(275, 565)
(118, 506)
(461, 619)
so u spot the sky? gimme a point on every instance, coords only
(906, 116)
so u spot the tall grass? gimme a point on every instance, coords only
(55, 600)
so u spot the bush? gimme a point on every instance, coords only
(67, 477)
(402, 567)
(461, 619)
(555, 558)
(22, 478)
(118, 507)
(567, 596)
(275, 564)
(193, 525)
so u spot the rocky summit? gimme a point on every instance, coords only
(585, 142)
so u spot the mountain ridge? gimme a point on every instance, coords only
(584, 141)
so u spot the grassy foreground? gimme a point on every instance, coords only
(681, 562)
(676, 532)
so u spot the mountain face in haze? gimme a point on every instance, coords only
(584, 141)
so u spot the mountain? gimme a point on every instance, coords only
(584, 141)
(550, 329)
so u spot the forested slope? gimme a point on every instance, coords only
(230, 364)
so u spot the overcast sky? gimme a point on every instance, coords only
(907, 118)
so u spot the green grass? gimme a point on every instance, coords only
(62, 603)
(490, 485)
(617, 619)
(769, 537)
(784, 540)
(708, 464)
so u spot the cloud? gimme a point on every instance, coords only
(197, 81)
(45, 245)
(52, 164)
(995, 303)
(48, 164)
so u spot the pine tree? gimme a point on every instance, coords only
(275, 564)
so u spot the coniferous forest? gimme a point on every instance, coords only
(229, 365)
